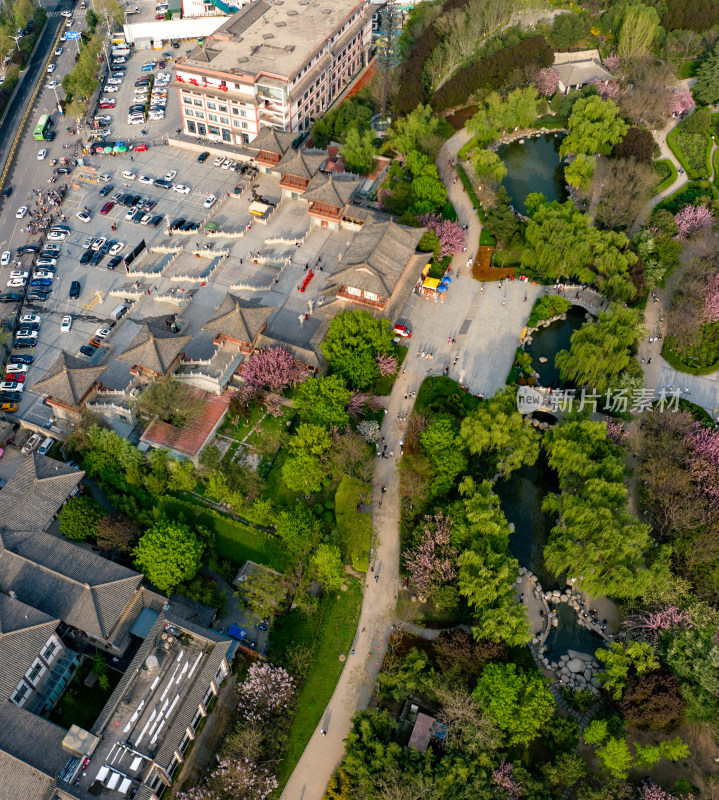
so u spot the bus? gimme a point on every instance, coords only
(43, 126)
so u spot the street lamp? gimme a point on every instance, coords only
(17, 39)
(57, 100)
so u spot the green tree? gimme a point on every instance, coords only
(518, 701)
(501, 220)
(323, 401)
(303, 473)
(594, 127)
(299, 529)
(706, 84)
(497, 429)
(427, 188)
(600, 351)
(171, 401)
(79, 518)
(421, 130)
(353, 340)
(429, 243)
(327, 568)
(489, 167)
(639, 28)
(263, 592)
(359, 151)
(565, 771)
(312, 439)
(117, 532)
(579, 173)
(182, 476)
(169, 554)
(638, 657)
(442, 446)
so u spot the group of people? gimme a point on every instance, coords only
(40, 217)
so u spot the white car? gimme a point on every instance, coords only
(57, 236)
(147, 179)
(156, 115)
(98, 243)
(114, 81)
(135, 120)
(42, 155)
(43, 273)
(52, 84)
(16, 283)
(170, 176)
(120, 60)
(103, 118)
(210, 201)
(219, 161)
(59, 51)
(5, 258)
(129, 214)
(181, 188)
(29, 318)
(20, 213)
(46, 262)
(83, 216)
(66, 13)
(227, 164)
(87, 241)
(115, 249)
(102, 332)
(17, 368)
(51, 67)
(112, 89)
(145, 219)
(66, 324)
(15, 274)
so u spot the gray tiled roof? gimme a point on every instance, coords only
(154, 348)
(239, 319)
(24, 631)
(63, 580)
(304, 354)
(32, 496)
(302, 163)
(376, 258)
(272, 141)
(31, 755)
(331, 189)
(69, 379)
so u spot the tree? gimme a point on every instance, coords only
(489, 167)
(469, 729)
(647, 102)
(639, 28)
(427, 188)
(312, 439)
(693, 219)
(638, 143)
(638, 657)
(601, 350)
(117, 532)
(594, 127)
(434, 562)
(353, 340)
(565, 771)
(455, 651)
(263, 592)
(451, 235)
(169, 554)
(351, 456)
(420, 130)
(359, 151)
(697, 122)
(79, 518)
(442, 447)
(497, 429)
(327, 568)
(579, 172)
(706, 85)
(518, 701)
(322, 401)
(626, 186)
(298, 529)
(266, 693)
(501, 220)
(653, 702)
(303, 473)
(274, 368)
(547, 81)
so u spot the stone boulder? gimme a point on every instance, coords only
(576, 665)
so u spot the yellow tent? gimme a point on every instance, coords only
(430, 283)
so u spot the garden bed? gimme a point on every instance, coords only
(676, 360)
(80, 704)
(692, 151)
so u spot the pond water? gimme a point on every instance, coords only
(534, 166)
(568, 635)
(547, 342)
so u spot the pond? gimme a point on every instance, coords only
(547, 342)
(568, 635)
(533, 165)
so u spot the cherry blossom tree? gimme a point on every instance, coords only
(451, 235)
(607, 91)
(611, 62)
(705, 463)
(681, 102)
(616, 432)
(274, 368)
(507, 786)
(237, 778)
(434, 562)
(711, 299)
(649, 791)
(266, 692)
(650, 625)
(368, 429)
(273, 404)
(692, 219)
(386, 364)
(547, 81)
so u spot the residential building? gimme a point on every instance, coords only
(275, 64)
(69, 385)
(578, 69)
(32, 497)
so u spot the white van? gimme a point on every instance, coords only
(129, 175)
(44, 448)
(119, 312)
(31, 444)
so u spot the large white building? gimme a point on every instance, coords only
(278, 64)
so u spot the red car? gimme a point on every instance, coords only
(140, 148)
(107, 208)
(402, 330)
(12, 376)
(107, 104)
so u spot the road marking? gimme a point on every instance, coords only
(95, 300)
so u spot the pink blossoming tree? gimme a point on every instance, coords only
(507, 786)
(711, 299)
(452, 238)
(266, 692)
(386, 364)
(547, 81)
(650, 625)
(434, 562)
(681, 102)
(607, 91)
(651, 792)
(705, 463)
(274, 369)
(616, 432)
(611, 62)
(692, 219)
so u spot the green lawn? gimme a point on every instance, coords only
(692, 150)
(330, 633)
(80, 704)
(355, 528)
(666, 174)
(277, 491)
(233, 540)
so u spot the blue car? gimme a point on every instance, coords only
(41, 282)
(21, 359)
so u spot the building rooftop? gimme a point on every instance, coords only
(272, 141)
(66, 581)
(239, 319)
(333, 189)
(581, 68)
(272, 38)
(302, 163)
(69, 379)
(155, 347)
(146, 717)
(32, 496)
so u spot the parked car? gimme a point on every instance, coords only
(203, 157)
(86, 350)
(15, 377)
(75, 290)
(210, 201)
(114, 262)
(105, 191)
(107, 208)
(10, 297)
(16, 367)
(18, 358)
(402, 330)
(66, 324)
(181, 188)
(86, 256)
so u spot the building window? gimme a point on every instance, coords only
(223, 107)
(20, 695)
(198, 102)
(243, 113)
(351, 290)
(206, 699)
(214, 130)
(185, 741)
(213, 117)
(196, 720)
(371, 296)
(37, 670)
(226, 135)
(189, 112)
(191, 127)
(211, 105)
(235, 111)
(224, 120)
(245, 138)
(200, 114)
(201, 129)
(52, 648)
(236, 123)
(186, 99)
